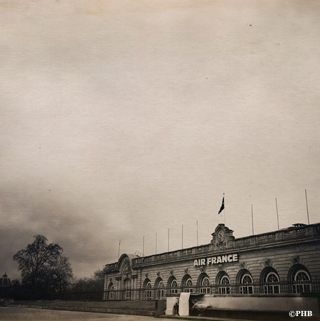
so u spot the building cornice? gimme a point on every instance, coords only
(273, 240)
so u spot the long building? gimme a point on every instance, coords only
(283, 263)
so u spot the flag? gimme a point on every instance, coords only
(222, 206)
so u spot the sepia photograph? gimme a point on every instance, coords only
(160, 158)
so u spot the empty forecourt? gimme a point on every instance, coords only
(20, 313)
(278, 264)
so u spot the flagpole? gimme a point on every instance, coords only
(252, 219)
(119, 249)
(224, 214)
(168, 239)
(277, 214)
(197, 232)
(156, 242)
(307, 206)
(182, 236)
(143, 246)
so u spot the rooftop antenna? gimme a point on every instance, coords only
(252, 219)
(197, 232)
(143, 246)
(277, 213)
(156, 242)
(307, 206)
(182, 236)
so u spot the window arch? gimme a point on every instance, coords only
(111, 291)
(172, 285)
(187, 283)
(224, 283)
(272, 286)
(160, 289)
(224, 287)
(300, 277)
(188, 287)
(247, 288)
(302, 280)
(148, 290)
(246, 282)
(270, 279)
(125, 267)
(204, 283)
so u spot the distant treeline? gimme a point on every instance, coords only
(78, 289)
(47, 274)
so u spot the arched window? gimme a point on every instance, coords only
(246, 284)
(127, 289)
(188, 286)
(125, 267)
(148, 291)
(224, 285)
(186, 283)
(160, 290)
(223, 282)
(205, 285)
(302, 282)
(111, 291)
(300, 278)
(174, 287)
(271, 283)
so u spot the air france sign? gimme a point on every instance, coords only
(229, 258)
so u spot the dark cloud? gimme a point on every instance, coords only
(27, 213)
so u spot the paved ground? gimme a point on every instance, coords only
(17, 314)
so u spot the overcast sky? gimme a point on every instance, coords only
(125, 118)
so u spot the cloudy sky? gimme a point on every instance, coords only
(121, 119)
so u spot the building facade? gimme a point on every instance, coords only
(279, 263)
